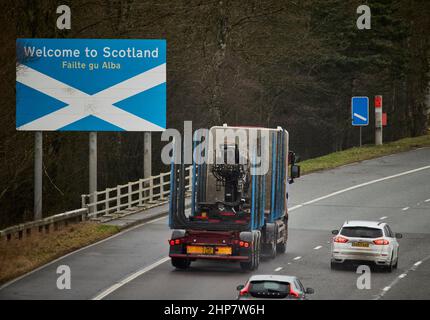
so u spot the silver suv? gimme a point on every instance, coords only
(364, 242)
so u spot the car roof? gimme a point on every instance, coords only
(271, 277)
(364, 223)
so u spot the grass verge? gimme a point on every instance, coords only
(366, 152)
(21, 256)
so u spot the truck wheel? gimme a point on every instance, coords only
(272, 247)
(257, 252)
(180, 263)
(253, 263)
(281, 247)
(272, 250)
(249, 265)
(246, 266)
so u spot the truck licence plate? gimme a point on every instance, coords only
(223, 250)
(200, 250)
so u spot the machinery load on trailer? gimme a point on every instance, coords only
(239, 197)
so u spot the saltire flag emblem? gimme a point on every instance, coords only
(90, 85)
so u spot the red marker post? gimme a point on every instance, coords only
(384, 119)
(378, 120)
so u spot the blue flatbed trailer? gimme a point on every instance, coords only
(237, 212)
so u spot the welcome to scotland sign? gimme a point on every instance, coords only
(90, 85)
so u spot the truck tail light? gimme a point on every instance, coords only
(173, 242)
(340, 239)
(381, 242)
(244, 244)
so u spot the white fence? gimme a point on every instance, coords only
(144, 193)
(44, 225)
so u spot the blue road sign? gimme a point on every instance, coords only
(360, 111)
(91, 85)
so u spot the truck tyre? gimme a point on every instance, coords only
(254, 260)
(282, 247)
(246, 266)
(180, 263)
(272, 250)
(257, 251)
(249, 265)
(252, 264)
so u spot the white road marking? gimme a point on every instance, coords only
(295, 207)
(396, 280)
(289, 263)
(297, 258)
(317, 247)
(278, 269)
(359, 186)
(428, 200)
(131, 277)
(383, 218)
(405, 208)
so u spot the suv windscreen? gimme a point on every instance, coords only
(361, 232)
(269, 289)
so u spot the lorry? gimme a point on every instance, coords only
(239, 192)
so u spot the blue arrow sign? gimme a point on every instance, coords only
(91, 85)
(360, 111)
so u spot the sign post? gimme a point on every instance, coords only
(93, 169)
(38, 182)
(360, 113)
(147, 159)
(89, 85)
(378, 120)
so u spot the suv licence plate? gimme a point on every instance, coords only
(360, 244)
